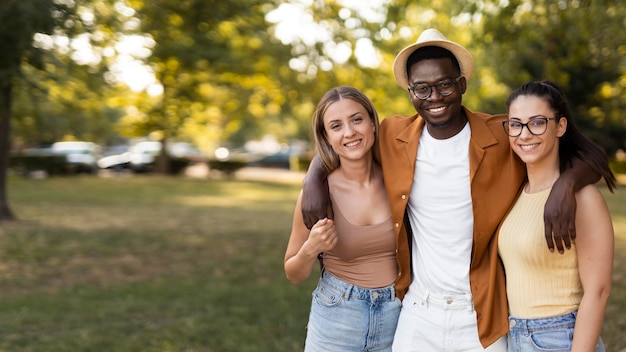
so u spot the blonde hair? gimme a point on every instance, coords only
(330, 159)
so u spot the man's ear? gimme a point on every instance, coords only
(463, 84)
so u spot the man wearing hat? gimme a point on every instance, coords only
(449, 186)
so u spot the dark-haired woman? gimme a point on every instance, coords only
(556, 301)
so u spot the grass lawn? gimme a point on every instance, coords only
(170, 264)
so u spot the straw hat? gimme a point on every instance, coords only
(432, 37)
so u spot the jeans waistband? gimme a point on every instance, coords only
(351, 291)
(530, 325)
(447, 301)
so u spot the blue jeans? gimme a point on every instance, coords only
(346, 318)
(545, 334)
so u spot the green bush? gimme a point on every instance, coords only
(52, 164)
(178, 165)
(618, 166)
(226, 166)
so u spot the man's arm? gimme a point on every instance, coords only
(560, 210)
(315, 197)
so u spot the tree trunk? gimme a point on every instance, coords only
(5, 129)
(163, 161)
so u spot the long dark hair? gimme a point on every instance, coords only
(573, 144)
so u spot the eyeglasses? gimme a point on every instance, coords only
(444, 88)
(536, 126)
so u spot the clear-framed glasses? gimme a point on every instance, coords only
(536, 126)
(444, 87)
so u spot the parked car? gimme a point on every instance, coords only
(80, 156)
(287, 158)
(141, 157)
(115, 158)
(60, 158)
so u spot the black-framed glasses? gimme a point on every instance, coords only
(444, 87)
(537, 126)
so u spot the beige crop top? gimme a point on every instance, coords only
(364, 255)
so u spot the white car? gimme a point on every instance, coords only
(80, 156)
(141, 157)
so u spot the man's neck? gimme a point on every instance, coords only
(448, 130)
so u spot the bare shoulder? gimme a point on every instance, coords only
(590, 201)
(592, 214)
(589, 195)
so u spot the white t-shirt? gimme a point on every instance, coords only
(440, 212)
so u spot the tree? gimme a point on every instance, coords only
(228, 75)
(64, 100)
(578, 44)
(19, 21)
(217, 64)
(226, 78)
(78, 89)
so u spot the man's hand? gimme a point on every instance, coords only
(560, 217)
(560, 211)
(316, 203)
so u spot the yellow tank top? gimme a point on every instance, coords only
(539, 284)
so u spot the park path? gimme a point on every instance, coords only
(249, 173)
(270, 174)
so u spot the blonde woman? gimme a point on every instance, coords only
(354, 306)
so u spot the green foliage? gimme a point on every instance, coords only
(227, 78)
(176, 166)
(227, 166)
(19, 20)
(61, 94)
(66, 100)
(578, 44)
(216, 62)
(24, 165)
(618, 166)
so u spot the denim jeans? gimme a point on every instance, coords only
(545, 334)
(346, 318)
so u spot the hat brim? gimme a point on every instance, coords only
(466, 62)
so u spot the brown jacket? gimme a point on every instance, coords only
(496, 175)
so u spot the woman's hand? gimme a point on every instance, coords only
(323, 237)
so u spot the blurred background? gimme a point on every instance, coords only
(213, 89)
(231, 82)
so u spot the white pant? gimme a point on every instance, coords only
(439, 323)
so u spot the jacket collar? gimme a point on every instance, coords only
(481, 134)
